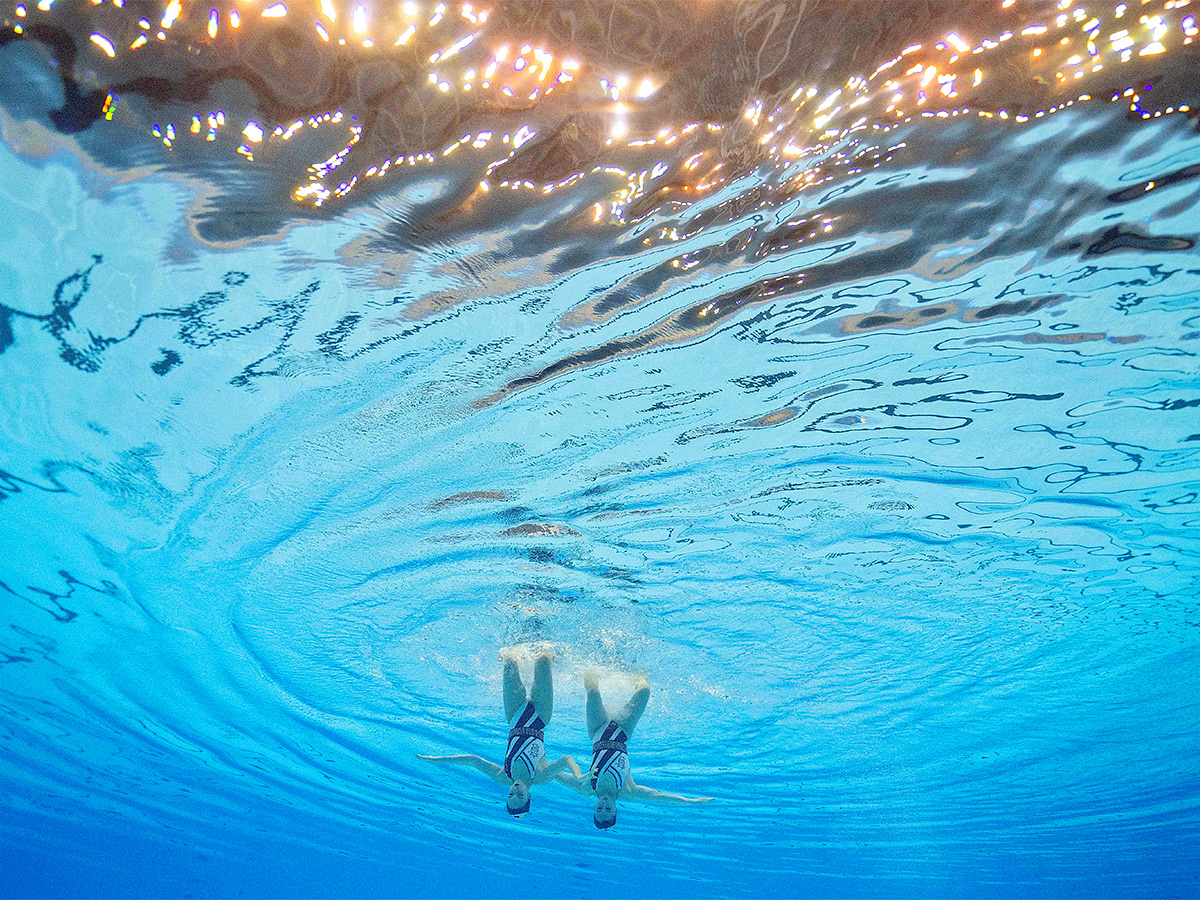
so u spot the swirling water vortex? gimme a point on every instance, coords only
(880, 460)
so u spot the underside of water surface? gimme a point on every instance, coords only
(831, 365)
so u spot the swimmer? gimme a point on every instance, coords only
(525, 759)
(609, 777)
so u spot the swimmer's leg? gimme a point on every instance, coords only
(629, 716)
(542, 693)
(597, 715)
(514, 689)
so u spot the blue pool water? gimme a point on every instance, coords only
(880, 458)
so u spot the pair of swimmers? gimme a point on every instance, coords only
(525, 765)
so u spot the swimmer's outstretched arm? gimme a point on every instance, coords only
(641, 792)
(644, 793)
(550, 772)
(574, 779)
(490, 769)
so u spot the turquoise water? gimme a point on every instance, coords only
(889, 486)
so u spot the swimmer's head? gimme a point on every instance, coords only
(605, 815)
(518, 799)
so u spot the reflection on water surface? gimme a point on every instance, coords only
(836, 366)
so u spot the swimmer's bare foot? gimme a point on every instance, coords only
(547, 655)
(591, 681)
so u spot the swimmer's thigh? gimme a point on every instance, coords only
(628, 717)
(514, 689)
(597, 715)
(542, 692)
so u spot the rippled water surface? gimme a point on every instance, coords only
(846, 387)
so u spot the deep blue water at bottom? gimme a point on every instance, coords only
(916, 597)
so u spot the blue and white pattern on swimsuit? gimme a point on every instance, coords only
(526, 742)
(609, 754)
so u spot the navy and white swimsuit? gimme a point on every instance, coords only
(526, 744)
(609, 755)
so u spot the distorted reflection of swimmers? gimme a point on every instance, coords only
(609, 777)
(525, 758)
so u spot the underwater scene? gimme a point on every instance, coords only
(401, 401)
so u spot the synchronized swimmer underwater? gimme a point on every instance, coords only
(528, 713)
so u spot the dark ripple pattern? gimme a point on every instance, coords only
(900, 517)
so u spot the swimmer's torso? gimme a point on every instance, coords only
(526, 745)
(610, 758)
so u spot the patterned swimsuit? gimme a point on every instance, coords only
(526, 743)
(609, 755)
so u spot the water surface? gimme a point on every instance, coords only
(864, 424)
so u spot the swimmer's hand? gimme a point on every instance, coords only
(575, 782)
(550, 772)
